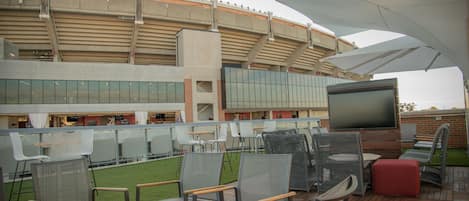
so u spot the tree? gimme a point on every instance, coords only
(433, 108)
(407, 107)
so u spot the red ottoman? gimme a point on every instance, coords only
(396, 177)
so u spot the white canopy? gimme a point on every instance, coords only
(442, 25)
(401, 54)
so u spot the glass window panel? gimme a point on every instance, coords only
(252, 95)
(134, 92)
(25, 92)
(104, 92)
(36, 92)
(49, 92)
(12, 92)
(227, 94)
(124, 92)
(143, 92)
(60, 92)
(82, 92)
(179, 92)
(72, 91)
(171, 92)
(153, 92)
(93, 92)
(162, 92)
(3, 91)
(114, 92)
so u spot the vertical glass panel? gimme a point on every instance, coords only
(36, 92)
(3, 91)
(114, 92)
(93, 92)
(49, 92)
(153, 92)
(124, 92)
(60, 92)
(104, 92)
(143, 92)
(171, 92)
(82, 92)
(162, 92)
(25, 92)
(179, 92)
(72, 91)
(134, 92)
(12, 92)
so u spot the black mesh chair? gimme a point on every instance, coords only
(303, 175)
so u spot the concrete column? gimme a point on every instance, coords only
(3, 122)
(188, 100)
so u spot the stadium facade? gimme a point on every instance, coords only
(96, 62)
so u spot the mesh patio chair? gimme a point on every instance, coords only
(261, 176)
(429, 174)
(198, 171)
(303, 174)
(424, 156)
(337, 156)
(66, 180)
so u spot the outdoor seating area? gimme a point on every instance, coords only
(291, 160)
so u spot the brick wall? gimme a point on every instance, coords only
(428, 121)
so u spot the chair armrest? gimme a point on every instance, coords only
(139, 186)
(123, 190)
(157, 183)
(110, 189)
(279, 197)
(215, 189)
(202, 189)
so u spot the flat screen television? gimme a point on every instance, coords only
(363, 105)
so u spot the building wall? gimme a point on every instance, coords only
(428, 121)
(199, 52)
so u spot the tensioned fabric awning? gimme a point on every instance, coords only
(443, 25)
(400, 54)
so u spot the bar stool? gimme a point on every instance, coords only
(19, 156)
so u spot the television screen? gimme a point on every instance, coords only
(362, 109)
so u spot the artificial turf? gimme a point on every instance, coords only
(130, 175)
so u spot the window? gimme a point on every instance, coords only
(205, 112)
(204, 86)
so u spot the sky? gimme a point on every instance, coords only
(442, 88)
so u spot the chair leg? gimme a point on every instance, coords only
(21, 182)
(92, 171)
(14, 179)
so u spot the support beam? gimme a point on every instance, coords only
(296, 54)
(255, 50)
(271, 31)
(309, 35)
(133, 43)
(52, 32)
(214, 16)
(318, 64)
(138, 12)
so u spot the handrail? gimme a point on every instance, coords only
(5, 132)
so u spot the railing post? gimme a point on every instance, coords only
(171, 143)
(117, 145)
(145, 157)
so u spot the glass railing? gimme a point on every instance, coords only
(113, 145)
